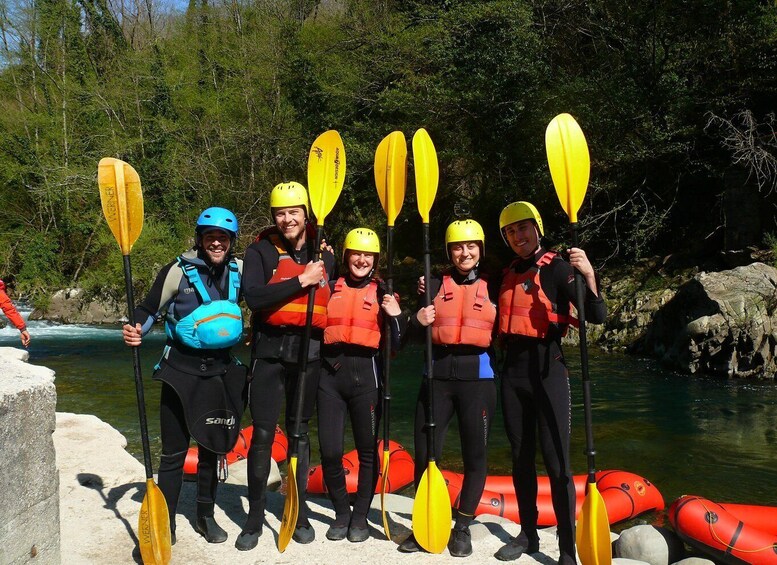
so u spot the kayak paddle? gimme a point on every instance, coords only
(432, 506)
(570, 167)
(326, 173)
(122, 204)
(390, 180)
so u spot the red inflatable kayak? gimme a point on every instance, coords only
(729, 533)
(279, 448)
(625, 495)
(400, 470)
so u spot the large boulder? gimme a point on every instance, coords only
(72, 306)
(651, 544)
(722, 323)
(29, 483)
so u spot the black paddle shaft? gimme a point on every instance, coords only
(387, 335)
(590, 452)
(138, 373)
(430, 425)
(303, 351)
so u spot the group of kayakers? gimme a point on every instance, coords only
(510, 324)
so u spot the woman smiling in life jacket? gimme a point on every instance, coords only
(462, 316)
(278, 273)
(534, 313)
(350, 383)
(199, 292)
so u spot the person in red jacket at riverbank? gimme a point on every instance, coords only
(13, 315)
(535, 296)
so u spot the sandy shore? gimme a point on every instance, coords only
(102, 486)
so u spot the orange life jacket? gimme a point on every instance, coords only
(524, 308)
(354, 315)
(463, 314)
(293, 311)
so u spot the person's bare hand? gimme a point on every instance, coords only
(132, 336)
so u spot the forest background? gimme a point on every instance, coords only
(216, 101)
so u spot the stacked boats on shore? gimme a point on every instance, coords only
(728, 533)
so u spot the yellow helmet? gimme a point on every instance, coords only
(518, 211)
(286, 194)
(361, 239)
(465, 230)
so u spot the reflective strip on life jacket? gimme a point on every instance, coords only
(524, 308)
(354, 315)
(463, 314)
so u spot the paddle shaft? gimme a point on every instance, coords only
(430, 424)
(303, 352)
(580, 290)
(138, 373)
(387, 336)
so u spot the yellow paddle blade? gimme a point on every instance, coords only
(326, 173)
(432, 511)
(154, 527)
(384, 486)
(569, 162)
(427, 172)
(122, 201)
(290, 507)
(391, 173)
(593, 530)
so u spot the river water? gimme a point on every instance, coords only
(688, 435)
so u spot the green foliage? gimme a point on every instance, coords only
(216, 105)
(40, 262)
(158, 244)
(770, 240)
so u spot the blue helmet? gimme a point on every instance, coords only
(217, 218)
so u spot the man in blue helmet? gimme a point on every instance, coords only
(203, 385)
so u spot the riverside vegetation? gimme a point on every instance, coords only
(215, 102)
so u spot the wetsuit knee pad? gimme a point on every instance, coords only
(262, 438)
(172, 461)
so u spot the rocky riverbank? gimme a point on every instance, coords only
(102, 486)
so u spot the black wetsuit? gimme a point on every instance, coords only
(536, 401)
(350, 386)
(275, 369)
(463, 385)
(172, 292)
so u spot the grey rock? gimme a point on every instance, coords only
(29, 482)
(722, 323)
(654, 545)
(71, 306)
(694, 561)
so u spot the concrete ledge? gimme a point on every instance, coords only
(29, 484)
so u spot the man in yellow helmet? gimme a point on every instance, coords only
(278, 271)
(535, 295)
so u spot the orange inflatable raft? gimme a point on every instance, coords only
(625, 495)
(401, 468)
(729, 533)
(280, 447)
